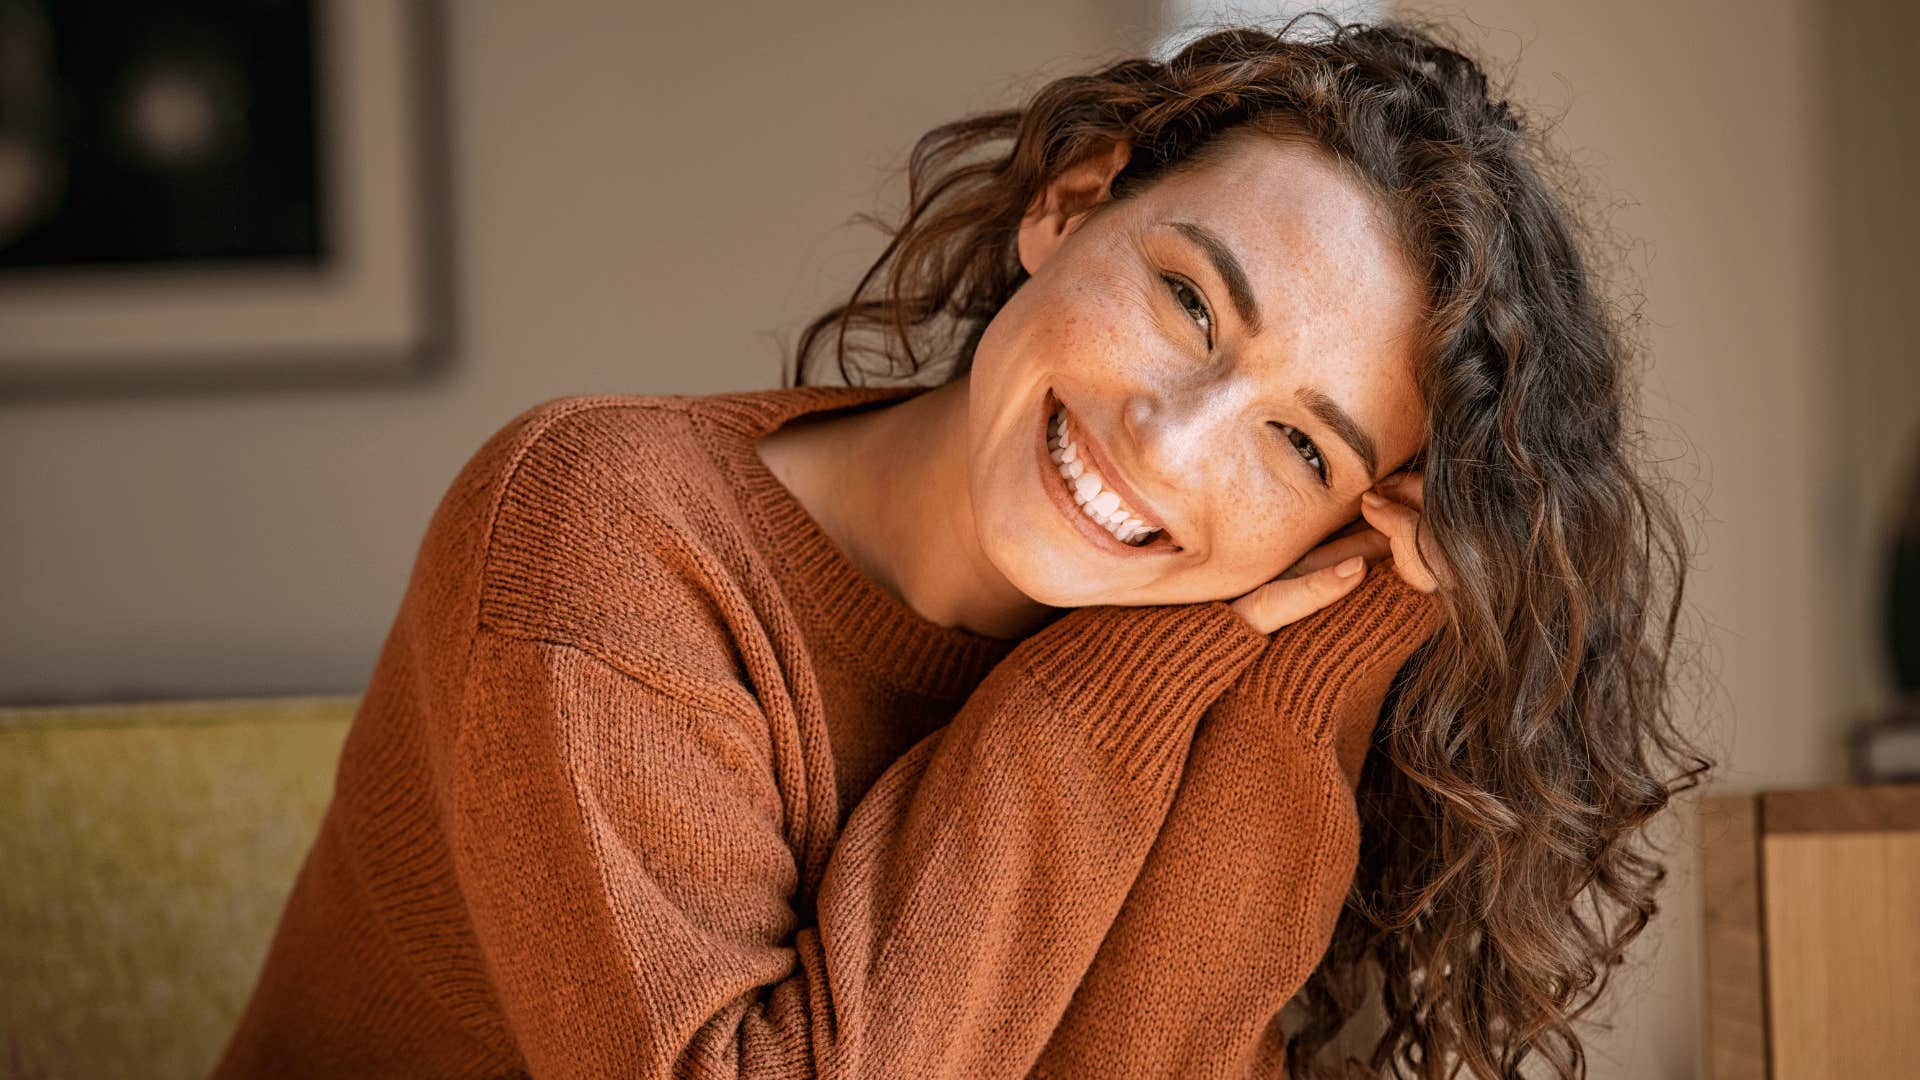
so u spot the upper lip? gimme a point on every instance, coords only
(1110, 473)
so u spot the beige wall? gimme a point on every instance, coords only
(1871, 359)
(644, 195)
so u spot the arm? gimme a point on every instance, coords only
(1238, 899)
(627, 853)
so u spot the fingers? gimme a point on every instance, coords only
(1401, 524)
(1406, 488)
(1288, 600)
(1357, 525)
(1371, 545)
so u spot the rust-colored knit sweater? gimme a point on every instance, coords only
(650, 781)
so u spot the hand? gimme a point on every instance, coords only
(1393, 507)
(1322, 576)
(1387, 530)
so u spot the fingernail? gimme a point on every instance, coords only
(1373, 498)
(1351, 566)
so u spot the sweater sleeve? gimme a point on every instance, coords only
(624, 847)
(1238, 898)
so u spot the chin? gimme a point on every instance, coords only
(1040, 575)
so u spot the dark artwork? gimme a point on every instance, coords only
(157, 131)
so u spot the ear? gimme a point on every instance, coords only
(1066, 201)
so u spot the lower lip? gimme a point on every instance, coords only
(1057, 491)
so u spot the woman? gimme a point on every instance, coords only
(1022, 725)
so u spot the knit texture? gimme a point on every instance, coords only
(651, 781)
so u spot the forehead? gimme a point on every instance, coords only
(1320, 259)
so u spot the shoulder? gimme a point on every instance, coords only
(580, 427)
(610, 528)
(564, 473)
(558, 430)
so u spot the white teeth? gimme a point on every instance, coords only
(1089, 491)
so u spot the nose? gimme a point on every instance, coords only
(1183, 434)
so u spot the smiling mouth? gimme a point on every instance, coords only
(1089, 490)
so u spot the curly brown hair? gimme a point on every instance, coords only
(1522, 751)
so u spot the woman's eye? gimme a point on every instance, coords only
(1307, 450)
(1182, 292)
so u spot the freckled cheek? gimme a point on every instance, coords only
(1099, 338)
(1259, 533)
(1059, 339)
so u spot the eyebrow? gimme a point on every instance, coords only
(1331, 414)
(1327, 410)
(1228, 267)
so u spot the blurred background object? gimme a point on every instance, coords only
(142, 132)
(1178, 22)
(1886, 747)
(149, 849)
(218, 193)
(645, 198)
(1903, 590)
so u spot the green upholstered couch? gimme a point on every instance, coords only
(148, 850)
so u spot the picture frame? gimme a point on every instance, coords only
(375, 306)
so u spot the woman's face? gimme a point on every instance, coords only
(1215, 343)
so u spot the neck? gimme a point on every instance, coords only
(891, 488)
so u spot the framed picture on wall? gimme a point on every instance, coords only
(195, 190)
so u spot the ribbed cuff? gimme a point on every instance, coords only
(1139, 677)
(1314, 662)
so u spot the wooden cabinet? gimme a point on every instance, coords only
(1812, 933)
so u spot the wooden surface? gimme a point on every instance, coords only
(1843, 947)
(1812, 933)
(1849, 809)
(1736, 1016)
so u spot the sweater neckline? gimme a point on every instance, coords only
(870, 627)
